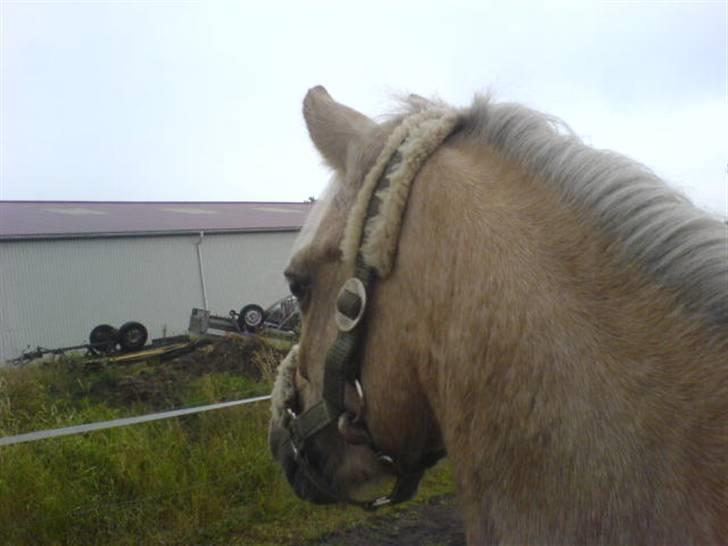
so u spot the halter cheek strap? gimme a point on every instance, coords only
(373, 230)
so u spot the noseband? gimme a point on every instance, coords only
(370, 243)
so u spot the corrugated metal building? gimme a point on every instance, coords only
(66, 267)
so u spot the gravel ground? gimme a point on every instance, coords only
(436, 523)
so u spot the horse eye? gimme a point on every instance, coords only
(298, 287)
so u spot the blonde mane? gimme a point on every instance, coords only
(681, 246)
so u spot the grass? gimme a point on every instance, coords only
(201, 479)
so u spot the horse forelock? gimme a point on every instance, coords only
(658, 229)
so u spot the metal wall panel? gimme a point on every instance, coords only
(52, 293)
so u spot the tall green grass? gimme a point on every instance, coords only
(200, 479)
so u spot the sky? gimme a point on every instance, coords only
(201, 100)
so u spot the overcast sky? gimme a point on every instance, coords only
(201, 100)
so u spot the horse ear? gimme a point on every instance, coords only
(334, 128)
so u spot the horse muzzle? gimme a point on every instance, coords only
(296, 471)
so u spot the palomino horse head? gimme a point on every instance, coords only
(344, 380)
(554, 317)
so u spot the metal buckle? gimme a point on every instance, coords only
(352, 292)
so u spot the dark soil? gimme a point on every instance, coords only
(435, 523)
(229, 354)
(158, 385)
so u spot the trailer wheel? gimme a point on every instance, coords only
(132, 336)
(103, 339)
(251, 317)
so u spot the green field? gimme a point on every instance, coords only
(200, 479)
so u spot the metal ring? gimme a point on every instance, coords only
(359, 389)
(381, 501)
(382, 458)
(356, 287)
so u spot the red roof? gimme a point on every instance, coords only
(69, 219)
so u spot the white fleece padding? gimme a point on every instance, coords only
(284, 390)
(416, 138)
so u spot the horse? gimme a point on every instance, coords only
(477, 283)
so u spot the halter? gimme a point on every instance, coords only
(372, 234)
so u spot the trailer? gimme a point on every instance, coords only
(110, 344)
(107, 341)
(283, 317)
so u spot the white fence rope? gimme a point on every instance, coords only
(123, 422)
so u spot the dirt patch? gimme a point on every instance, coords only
(434, 523)
(230, 354)
(161, 385)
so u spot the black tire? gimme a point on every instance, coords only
(132, 336)
(103, 339)
(251, 318)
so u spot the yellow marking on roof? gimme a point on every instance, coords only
(188, 210)
(276, 209)
(78, 211)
